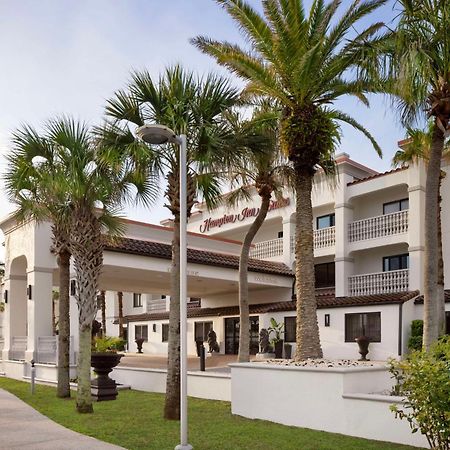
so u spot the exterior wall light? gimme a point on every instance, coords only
(5, 296)
(29, 292)
(327, 320)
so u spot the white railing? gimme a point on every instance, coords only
(47, 349)
(379, 283)
(380, 226)
(2, 345)
(267, 249)
(18, 347)
(156, 305)
(325, 237)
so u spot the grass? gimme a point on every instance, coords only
(134, 421)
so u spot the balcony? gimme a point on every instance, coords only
(323, 238)
(379, 226)
(156, 305)
(18, 347)
(379, 283)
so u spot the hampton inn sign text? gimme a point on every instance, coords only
(243, 215)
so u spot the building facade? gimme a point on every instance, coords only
(369, 257)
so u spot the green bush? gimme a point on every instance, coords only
(108, 344)
(424, 380)
(415, 340)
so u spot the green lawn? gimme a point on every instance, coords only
(134, 421)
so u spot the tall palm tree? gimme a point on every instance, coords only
(419, 76)
(86, 194)
(418, 147)
(188, 105)
(30, 187)
(304, 63)
(260, 167)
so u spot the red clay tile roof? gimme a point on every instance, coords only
(164, 251)
(419, 300)
(377, 175)
(325, 299)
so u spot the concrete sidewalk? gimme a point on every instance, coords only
(22, 427)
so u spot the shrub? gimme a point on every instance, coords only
(108, 344)
(415, 340)
(424, 380)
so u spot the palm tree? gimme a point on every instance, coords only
(417, 147)
(419, 74)
(188, 105)
(304, 63)
(260, 167)
(86, 193)
(29, 186)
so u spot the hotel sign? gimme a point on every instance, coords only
(240, 217)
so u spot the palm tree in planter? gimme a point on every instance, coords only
(30, 186)
(260, 167)
(304, 63)
(416, 147)
(188, 105)
(86, 194)
(419, 74)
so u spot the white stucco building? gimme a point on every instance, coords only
(369, 255)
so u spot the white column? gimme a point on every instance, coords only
(343, 216)
(288, 234)
(15, 314)
(39, 307)
(416, 225)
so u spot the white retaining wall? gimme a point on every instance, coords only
(330, 399)
(208, 385)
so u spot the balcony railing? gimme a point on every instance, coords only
(380, 226)
(47, 349)
(379, 283)
(325, 237)
(18, 347)
(267, 249)
(156, 305)
(2, 345)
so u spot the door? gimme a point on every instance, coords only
(232, 335)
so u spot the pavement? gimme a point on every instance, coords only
(214, 363)
(22, 427)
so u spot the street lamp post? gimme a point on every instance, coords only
(157, 135)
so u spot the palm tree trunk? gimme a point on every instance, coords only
(120, 300)
(86, 246)
(172, 401)
(441, 280)
(308, 340)
(431, 299)
(63, 389)
(244, 312)
(103, 305)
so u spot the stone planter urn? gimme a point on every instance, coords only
(363, 344)
(278, 349)
(139, 342)
(104, 388)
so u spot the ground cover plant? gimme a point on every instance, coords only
(134, 421)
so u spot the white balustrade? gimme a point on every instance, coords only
(2, 345)
(156, 305)
(18, 347)
(324, 237)
(47, 349)
(379, 226)
(379, 283)
(267, 249)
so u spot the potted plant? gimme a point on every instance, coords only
(104, 358)
(277, 342)
(139, 343)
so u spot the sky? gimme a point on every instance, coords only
(69, 56)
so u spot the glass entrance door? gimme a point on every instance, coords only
(232, 335)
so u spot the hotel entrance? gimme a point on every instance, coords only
(232, 335)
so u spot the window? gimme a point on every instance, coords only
(163, 297)
(141, 332)
(393, 207)
(137, 300)
(447, 322)
(165, 332)
(194, 302)
(396, 262)
(290, 326)
(201, 330)
(280, 234)
(363, 324)
(324, 275)
(325, 221)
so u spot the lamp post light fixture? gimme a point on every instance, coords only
(157, 135)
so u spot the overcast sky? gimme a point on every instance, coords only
(69, 56)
